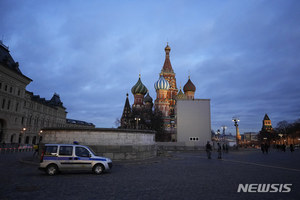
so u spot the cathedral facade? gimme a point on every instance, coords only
(167, 95)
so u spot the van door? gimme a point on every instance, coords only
(65, 157)
(82, 159)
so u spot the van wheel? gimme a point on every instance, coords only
(51, 170)
(98, 169)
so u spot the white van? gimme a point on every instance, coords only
(63, 157)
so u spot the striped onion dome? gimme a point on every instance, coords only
(189, 86)
(148, 99)
(161, 84)
(139, 88)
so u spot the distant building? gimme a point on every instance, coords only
(250, 137)
(23, 114)
(266, 124)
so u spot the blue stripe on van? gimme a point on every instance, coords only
(98, 159)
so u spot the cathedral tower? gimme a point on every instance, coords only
(162, 102)
(267, 126)
(126, 116)
(168, 73)
(138, 90)
(189, 89)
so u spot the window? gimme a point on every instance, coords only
(0, 85)
(17, 107)
(5, 88)
(65, 150)
(50, 149)
(194, 139)
(82, 152)
(3, 103)
(8, 105)
(10, 89)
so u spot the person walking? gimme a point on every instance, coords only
(266, 148)
(208, 149)
(219, 151)
(262, 147)
(292, 148)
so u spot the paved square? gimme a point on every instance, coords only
(184, 175)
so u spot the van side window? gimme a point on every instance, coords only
(65, 150)
(82, 152)
(50, 149)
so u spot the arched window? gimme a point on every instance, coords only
(34, 140)
(27, 140)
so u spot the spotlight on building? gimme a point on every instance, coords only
(137, 119)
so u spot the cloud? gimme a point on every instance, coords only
(243, 55)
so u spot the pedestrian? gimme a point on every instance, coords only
(292, 148)
(219, 151)
(223, 146)
(283, 147)
(226, 148)
(208, 149)
(262, 147)
(266, 148)
(36, 151)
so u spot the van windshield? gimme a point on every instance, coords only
(91, 150)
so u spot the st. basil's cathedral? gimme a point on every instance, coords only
(139, 116)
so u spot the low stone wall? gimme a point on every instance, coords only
(163, 147)
(128, 152)
(117, 144)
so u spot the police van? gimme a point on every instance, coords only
(63, 157)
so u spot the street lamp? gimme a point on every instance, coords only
(137, 119)
(236, 120)
(218, 134)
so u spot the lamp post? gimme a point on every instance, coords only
(236, 120)
(137, 119)
(218, 134)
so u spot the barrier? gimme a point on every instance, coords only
(16, 149)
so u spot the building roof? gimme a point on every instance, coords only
(180, 94)
(79, 122)
(167, 64)
(189, 86)
(161, 84)
(139, 87)
(127, 108)
(54, 102)
(148, 98)
(266, 117)
(7, 61)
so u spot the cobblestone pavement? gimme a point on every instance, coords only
(185, 175)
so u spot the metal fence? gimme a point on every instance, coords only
(14, 148)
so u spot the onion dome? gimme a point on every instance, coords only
(139, 87)
(162, 84)
(167, 48)
(180, 95)
(189, 86)
(147, 98)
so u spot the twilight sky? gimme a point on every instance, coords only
(243, 55)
